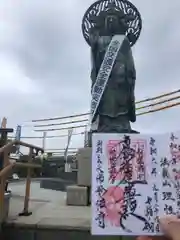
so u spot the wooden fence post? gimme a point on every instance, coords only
(28, 186)
(2, 188)
(4, 159)
(3, 183)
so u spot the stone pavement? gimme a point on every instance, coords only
(50, 219)
(48, 209)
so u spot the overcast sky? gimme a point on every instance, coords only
(45, 62)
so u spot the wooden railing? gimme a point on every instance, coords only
(8, 167)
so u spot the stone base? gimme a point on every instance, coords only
(84, 166)
(55, 184)
(77, 196)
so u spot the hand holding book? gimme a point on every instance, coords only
(170, 226)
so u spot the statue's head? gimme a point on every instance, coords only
(112, 20)
(115, 22)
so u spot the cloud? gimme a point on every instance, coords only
(45, 62)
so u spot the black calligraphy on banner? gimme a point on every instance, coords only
(178, 196)
(120, 160)
(155, 190)
(126, 160)
(149, 215)
(100, 218)
(130, 206)
(168, 198)
(104, 73)
(118, 202)
(174, 147)
(156, 207)
(167, 167)
(141, 171)
(164, 164)
(153, 154)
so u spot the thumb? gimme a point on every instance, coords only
(171, 226)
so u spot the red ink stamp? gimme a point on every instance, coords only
(127, 160)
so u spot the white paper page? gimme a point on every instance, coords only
(124, 185)
(170, 173)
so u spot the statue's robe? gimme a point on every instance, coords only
(117, 105)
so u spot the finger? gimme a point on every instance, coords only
(170, 226)
(143, 238)
(165, 221)
(166, 224)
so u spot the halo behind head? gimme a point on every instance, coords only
(125, 11)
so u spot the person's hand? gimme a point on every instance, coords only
(170, 225)
(151, 238)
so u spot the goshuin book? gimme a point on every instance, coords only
(135, 181)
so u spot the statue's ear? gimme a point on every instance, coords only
(93, 17)
(131, 37)
(129, 17)
(123, 25)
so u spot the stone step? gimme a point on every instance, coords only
(52, 232)
(78, 195)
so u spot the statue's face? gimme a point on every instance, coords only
(111, 22)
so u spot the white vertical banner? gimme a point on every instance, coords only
(4, 122)
(67, 167)
(18, 138)
(103, 75)
(44, 140)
